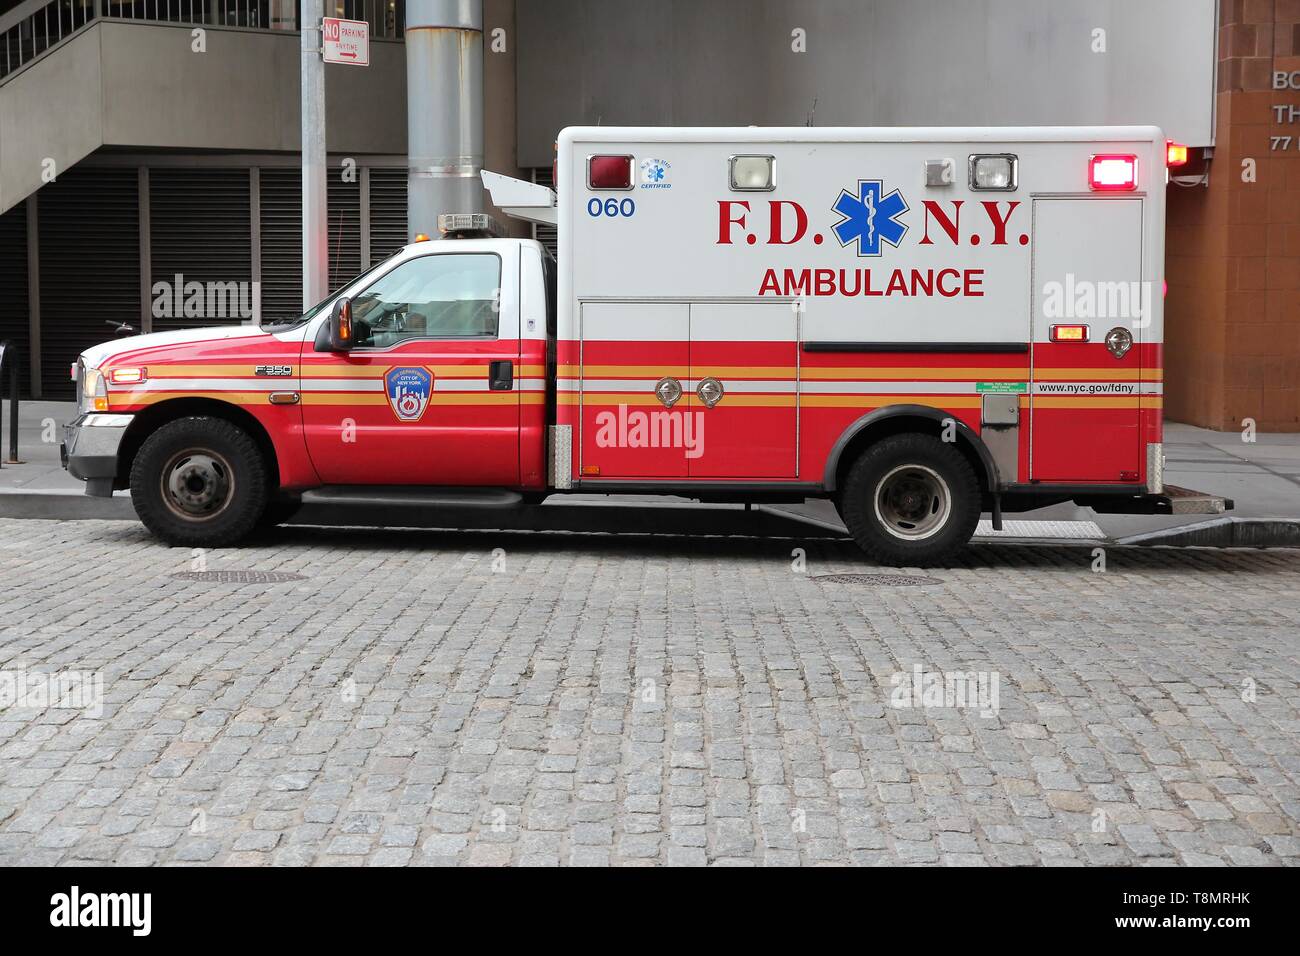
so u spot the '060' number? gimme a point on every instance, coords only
(610, 207)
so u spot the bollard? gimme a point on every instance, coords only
(4, 348)
(13, 413)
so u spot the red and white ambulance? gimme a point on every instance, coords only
(921, 324)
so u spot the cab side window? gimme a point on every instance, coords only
(444, 295)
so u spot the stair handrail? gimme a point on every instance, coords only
(28, 7)
(31, 10)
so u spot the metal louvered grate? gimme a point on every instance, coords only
(281, 228)
(344, 198)
(387, 211)
(14, 319)
(200, 247)
(90, 266)
(281, 205)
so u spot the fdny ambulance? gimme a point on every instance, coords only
(920, 324)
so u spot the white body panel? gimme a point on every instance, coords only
(972, 284)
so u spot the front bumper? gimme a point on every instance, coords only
(89, 450)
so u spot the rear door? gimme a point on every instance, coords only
(1084, 404)
(744, 417)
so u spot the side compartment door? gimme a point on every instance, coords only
(743, 391)
(1084, 400)
(630, 428)
(429, 394)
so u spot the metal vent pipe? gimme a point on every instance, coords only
(444, 111)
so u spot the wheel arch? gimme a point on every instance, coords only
(145, 423)
(898, 419)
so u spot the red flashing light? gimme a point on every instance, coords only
(609, 172)
(1113, 172)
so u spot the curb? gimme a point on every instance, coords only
(65, 507)
(1227, 532)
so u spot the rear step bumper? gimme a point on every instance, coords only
(1172, 501)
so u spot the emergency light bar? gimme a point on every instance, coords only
(1112, 171)
(465, 225)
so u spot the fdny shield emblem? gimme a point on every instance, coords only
(408, 391)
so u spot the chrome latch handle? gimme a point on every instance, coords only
(709, 391)
(669, 391)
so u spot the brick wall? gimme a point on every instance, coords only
(1232, 316)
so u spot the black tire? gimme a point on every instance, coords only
(199, 482)
(910, 500)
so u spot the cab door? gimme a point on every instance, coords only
(427, 396)
(1084, 399)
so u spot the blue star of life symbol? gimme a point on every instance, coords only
(869, 217)
(656, 172)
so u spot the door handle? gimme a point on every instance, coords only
(668, 390)
(709, 391)
(1118, 341)
(501, 376)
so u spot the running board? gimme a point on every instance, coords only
(371, 496)
(1172, 501)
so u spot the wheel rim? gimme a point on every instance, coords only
(197, 484)
(913, 502)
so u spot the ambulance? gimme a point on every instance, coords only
(920, 324)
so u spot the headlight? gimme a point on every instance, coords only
(94, 393)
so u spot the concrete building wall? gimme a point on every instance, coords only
(33, 129)
(142, 85)
(864, 63)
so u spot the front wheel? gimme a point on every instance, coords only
(911, 500)
(199, 482)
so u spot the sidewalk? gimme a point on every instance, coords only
(1262, 478)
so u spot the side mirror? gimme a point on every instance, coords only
(340, 326)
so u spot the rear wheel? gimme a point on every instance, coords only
(199, 482)
(911, 500)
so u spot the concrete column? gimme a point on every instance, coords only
(444, 104)
(315, 214)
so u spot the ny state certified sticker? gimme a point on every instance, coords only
(408, 389)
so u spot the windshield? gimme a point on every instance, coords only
(283, 325)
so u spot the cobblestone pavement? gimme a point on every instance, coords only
(489, 698)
